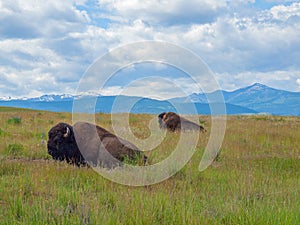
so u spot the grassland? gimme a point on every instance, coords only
(255, 179)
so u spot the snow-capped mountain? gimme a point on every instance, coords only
(43, 98)
(263, 98)
(9, 98)
(5, 98)
(258, 93)
(53, 97)
(256, 98)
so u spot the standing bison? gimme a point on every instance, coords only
(174, 122)
(87, 143)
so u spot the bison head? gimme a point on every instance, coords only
(173, 122)
(62, 145)
(162, 124)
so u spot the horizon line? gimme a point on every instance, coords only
(7, 98)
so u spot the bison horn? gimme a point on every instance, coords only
(67, 132)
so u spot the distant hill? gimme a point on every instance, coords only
(256, 98)
(105, 104)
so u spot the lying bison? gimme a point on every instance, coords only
(174, 122)
(87, 143)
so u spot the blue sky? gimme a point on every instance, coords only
(45, 46)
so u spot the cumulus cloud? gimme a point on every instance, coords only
(256, 43)
(57, 40)
(277, 79)
(32, 19)
(166, 12)
(280, 1)
(36, 45)
(298, 82)
(231, 43)
(158, 88)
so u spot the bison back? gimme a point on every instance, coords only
(100, 147)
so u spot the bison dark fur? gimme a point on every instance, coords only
(173, 122)
(85, 142)
(62, 145)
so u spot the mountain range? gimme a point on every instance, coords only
(257, 98)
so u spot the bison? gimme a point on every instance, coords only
(173, 122)
(88, 143)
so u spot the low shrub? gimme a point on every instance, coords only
(14, 120)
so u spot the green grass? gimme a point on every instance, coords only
(14, 120)
(14, 150)
(255, 179)
(13, 109)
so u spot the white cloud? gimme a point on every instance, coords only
(283, 13)
(167, 12)
(33, 19)
(56, 40)
(154, 88)
(255, 43)
(229, 44)
(280, 1)
(278, 79)
(298, 82)
(36, 43)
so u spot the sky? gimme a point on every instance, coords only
(47, 46)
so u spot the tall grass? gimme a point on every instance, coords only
(254, 181)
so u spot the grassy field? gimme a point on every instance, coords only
(255, 179)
